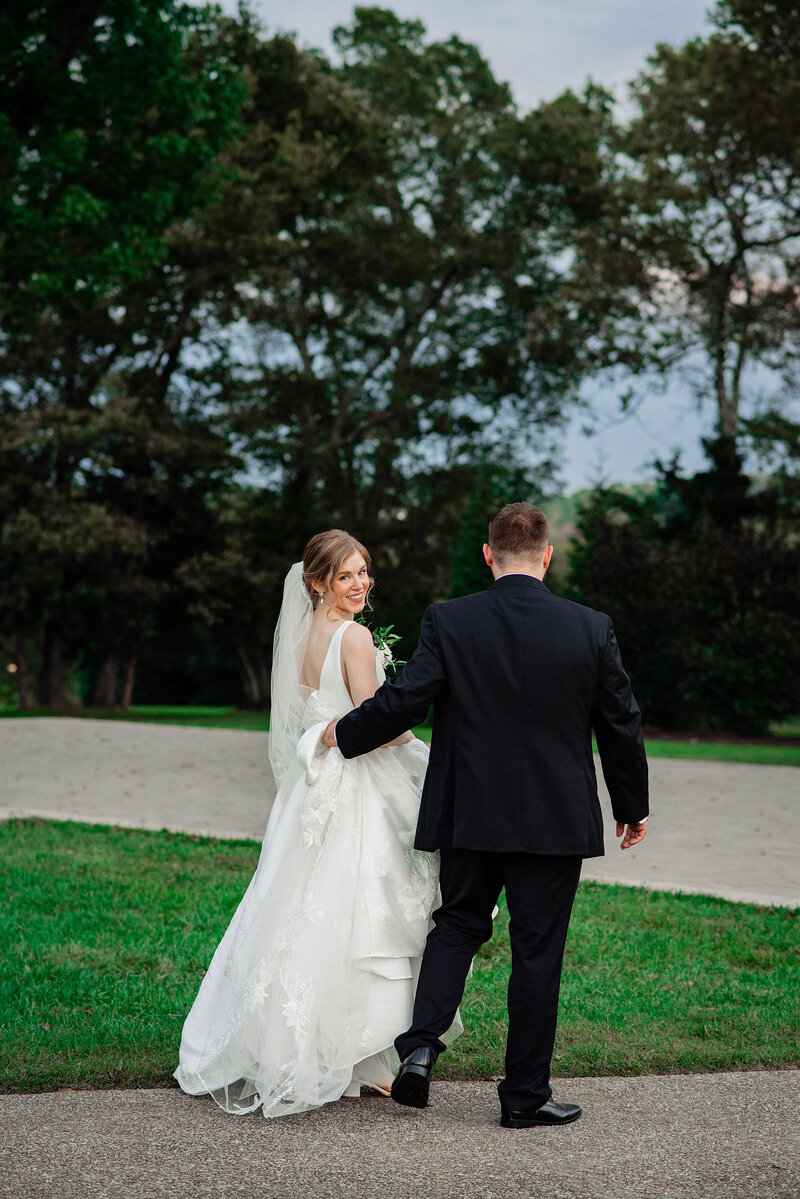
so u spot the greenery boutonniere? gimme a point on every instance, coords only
(383, 640)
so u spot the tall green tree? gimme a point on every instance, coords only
(706, 613)
(398, 223)
(112, 120)
(694, 266)
(718, 147)
(105, 138)
(391, 306)
(188, 313)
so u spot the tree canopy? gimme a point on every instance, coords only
(248, 291)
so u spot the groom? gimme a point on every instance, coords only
(518, 679)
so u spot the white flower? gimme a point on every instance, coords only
(384, 655)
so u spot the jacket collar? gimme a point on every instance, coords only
(518, 580)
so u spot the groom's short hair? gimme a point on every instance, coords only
(518, 531)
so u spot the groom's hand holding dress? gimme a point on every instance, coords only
(329, 736)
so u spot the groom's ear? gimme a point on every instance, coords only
(487, 555)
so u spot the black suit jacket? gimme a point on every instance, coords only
(518, 679)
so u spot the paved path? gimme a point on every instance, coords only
(209, 781)
(712, 1136)
(720, 828)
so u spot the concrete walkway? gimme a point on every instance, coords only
(725, 829)
(718, 828)
(712, 1136)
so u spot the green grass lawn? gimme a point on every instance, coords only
(204, 717)
(712, 751)
(108, 932)
(232, 718)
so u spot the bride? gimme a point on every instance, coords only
(315, 975)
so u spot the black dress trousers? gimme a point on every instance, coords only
(540, 890)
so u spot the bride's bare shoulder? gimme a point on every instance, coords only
(358, 638)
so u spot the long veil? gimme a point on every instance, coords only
(288, 696)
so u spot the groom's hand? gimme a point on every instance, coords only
(633, 834)
(328, 736)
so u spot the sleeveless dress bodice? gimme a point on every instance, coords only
(331, 677)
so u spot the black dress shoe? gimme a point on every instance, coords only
(413, 1079)
(549, 1113)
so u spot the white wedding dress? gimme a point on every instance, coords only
(315, 975)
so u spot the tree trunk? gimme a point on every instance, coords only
(130, 682)
(53, 679)
(729, 486)
(255, 697)
(263, 664)
(24, 680)
(728, 419)
(105, 688)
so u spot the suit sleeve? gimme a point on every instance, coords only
(618, 728)
(400, 703)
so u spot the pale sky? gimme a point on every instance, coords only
(541, 47)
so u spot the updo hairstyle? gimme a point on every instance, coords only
(325, 555)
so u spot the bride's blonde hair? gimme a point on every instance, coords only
(325, 555)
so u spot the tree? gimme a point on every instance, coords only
(393, 301)
(706, 610)
(105, 138)
(337, 296)
(774, 441)
(694, 265)
(113, 121)
(393, 250)
(595, 316)
(712, 142)
(234, 591)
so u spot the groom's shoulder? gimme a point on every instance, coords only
(462, 607)
(461, 603)
(465, 606)
(580, 612)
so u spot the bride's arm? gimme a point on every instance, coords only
(358, 663)
(400, 703)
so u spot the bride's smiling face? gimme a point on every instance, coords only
(348, 589)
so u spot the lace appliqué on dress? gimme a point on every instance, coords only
(417, 898)
(296, 1008)
(331, 789)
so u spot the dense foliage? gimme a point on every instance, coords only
(247, 292)
(113, 120)
(703, 587)
(323, 322)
